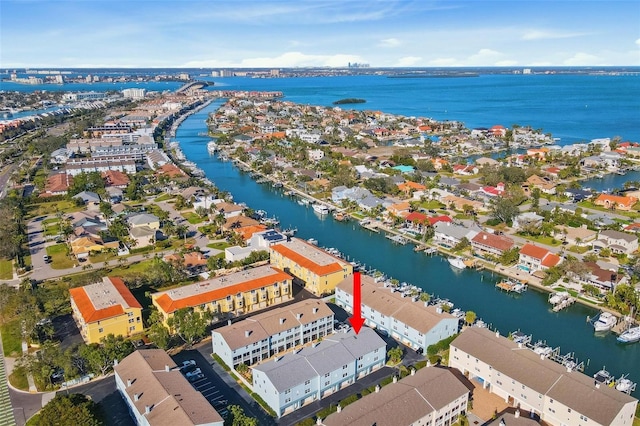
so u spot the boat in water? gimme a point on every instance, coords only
(321, 209)
(605, 321)
(457, 262)
(624, 384)
(603, 377)
(212, 147)
(632, 335)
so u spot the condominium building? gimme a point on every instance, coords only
(407, 320)
(319, 270)
(535, 383)
(430, 396)
(157, 393)
(266, 334)
(289, 382)
(104, 308)
(238, 293)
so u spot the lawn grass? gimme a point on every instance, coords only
(164, 197)
(42, 209)
(103, 256)
(132, 269)
(432, 205)
(6, 269)
(192, 218)
(52, 230)
(50, 221)
(19, 380)
(11, 338)
(550, 241)
(220, 245)
(59, 257)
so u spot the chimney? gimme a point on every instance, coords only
(315, 310)
(484, 237)
(136, 397)
(338, 408)
(497, 333)
(520, 345)
(319, 421)
(516, 414)
(115, 362)
(247, 333)
(129, 382)
(597, 385)
(395, 379)
(413, 371)
(541, 356)
(167, 368)
(568, 369)
(377, 388)
(228, 322)
(147, 409)
(298, 316)
(281, 321)
(428, 363)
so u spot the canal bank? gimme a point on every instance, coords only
(468, 289)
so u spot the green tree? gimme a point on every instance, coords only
(470, 317)
(73, 409)
(395, 355)
(509, 257)
(190, 325)
(504, 210)
(101, 356)
(237, 417)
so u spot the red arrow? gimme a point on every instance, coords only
(356, 320)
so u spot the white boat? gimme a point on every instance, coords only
(456, 262)
(543, 349)
(632, 335)
(558, 297)
(212, 147)
(321, 209)
(624, 384)
(605, 321)
(603, 377)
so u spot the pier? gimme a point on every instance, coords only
(396, 239)
(512, 286)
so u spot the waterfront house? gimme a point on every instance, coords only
(537, 384)
(448, 234)
(296, 379)
(157, 393)
(615, 202)
(601, 277)
(403, 317)
(534, 258)
(485, 243)
(318, 270)
(618, 242)
(429, 396)
(228, 210)
(234, 294)
(264, 335)
(104, 308)
(237, 222)
(399, 209)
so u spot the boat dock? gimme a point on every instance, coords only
(373, 227)
(397, 239)
(564, 304)
(512, 286)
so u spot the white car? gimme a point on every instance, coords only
(186, 364)
(194, 375)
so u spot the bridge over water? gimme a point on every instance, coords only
(194, 85)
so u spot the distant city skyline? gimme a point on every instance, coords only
(283, 34)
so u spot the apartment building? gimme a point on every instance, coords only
(156, 392)
(104, 308)
(429, 396)
(289, 382)
(264, 335)
(407, 320)
(319, 270)
(535, 383)
(238, 293)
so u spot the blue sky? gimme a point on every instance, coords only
(265, 33)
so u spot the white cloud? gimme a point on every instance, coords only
(506, 63)
(580, 59)
(638, 42)
(549, 35)
(389, 42)
(408, 61)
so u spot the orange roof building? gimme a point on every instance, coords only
(104, 308)
(238, 293)
(320, 271)
(58, 184)
(534, 258)
(617, 202)
(115, 178)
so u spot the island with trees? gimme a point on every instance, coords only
(347, 101)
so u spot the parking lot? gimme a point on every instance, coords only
(213, 387)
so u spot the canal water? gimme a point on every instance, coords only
(467, 289)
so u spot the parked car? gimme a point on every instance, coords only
(186, 364)
(46, 258)
(194, 375)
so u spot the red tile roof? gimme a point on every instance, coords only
(59, 182)
(496, 241)
(308, 263)
(416, 217)
(91, 314)
(169, 305)
(534, 251)
(115, 178)
(436, 219)
(550, 260)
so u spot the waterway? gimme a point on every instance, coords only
(469, 290)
